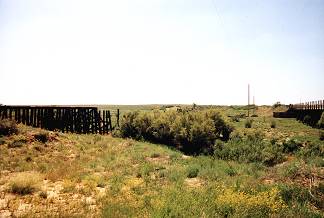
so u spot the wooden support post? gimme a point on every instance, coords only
(82, 121)
(10, 113)
(89, 121)
(6, 113)
(62, 120)
(99, 122)
(23, 118)
(16, 118)
(40, 117)
(104, 131)
(117, 117)
(73, 113)
(36, 117)
(93, 125)
(31, 122)
(19, 115)
(28, 116)
(109, 120)
(94, 122)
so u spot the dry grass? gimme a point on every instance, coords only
(25, 183)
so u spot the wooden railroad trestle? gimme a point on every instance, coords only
(312, 109)
(63, 118)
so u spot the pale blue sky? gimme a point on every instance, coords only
(161, 51)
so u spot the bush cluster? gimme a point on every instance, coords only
(312, 150)
(321, 121)
(291, 145)
(8, 127)
(192, 132)
(252, 149)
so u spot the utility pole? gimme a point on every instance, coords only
(253, 105)
(248, 100)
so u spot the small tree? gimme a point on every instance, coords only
(321, 121)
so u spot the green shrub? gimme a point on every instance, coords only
(252, 149)
(294, 193)
(307, 119)
(230, 171)
(192, 172)
(193, 132)
(273, 124)
(320, 188)
(312, 150)
(321, 135)
(248, 123)
(42, 136)
(321, 121)
(291, 145)
(8, 127)
(2, 141)
(235, 118)
(291, 170)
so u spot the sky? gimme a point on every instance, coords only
(161, 51)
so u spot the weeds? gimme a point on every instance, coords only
(311, 150)
(8, 127)
(273, 124)
(230, 171)
(252, 149)
(18, 142)
(291, 145)
(248, 123)
(192, 172)
(43, 194)
(2, 141)
(42, 136)
(254, 204)
(321, 135)
(25, 183)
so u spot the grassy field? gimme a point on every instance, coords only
(68, 175)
